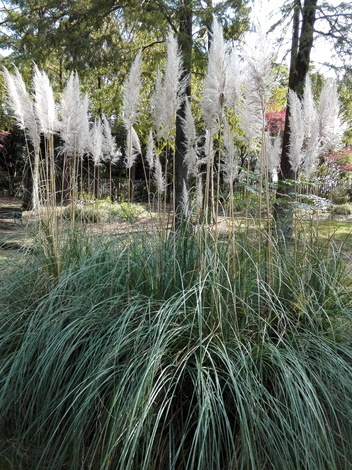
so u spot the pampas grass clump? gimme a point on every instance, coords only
(162, 351)
(197, 348)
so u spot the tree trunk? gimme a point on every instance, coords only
(185, 42)
(302, 43)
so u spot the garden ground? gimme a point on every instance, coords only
(14, 233)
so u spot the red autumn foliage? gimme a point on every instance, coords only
(342, 158)
(275, 122)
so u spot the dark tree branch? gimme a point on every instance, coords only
(152, 44)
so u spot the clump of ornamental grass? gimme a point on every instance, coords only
(166, 351)
(193, 349)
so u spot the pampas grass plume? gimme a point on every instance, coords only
(44, 103)
(191, 141)
(215, 79)
(296, 131)
(232, 85)
(331, 126)
(131, 92)
(158, 105)
(150, 154)
(133, 147)
(158, 175)
(110, 150)
(71, 114)
(309, 108)
(230, 165)
(83, 136)
(96, 147)
(168, 91)
(21, 105)
(173, 84)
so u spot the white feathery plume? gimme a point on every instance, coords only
(326, 128)
(232, 85)
(331, 126)
(158, 105)
(250, 121)
(110, 151)
(274, 155)
(296, 131)
(312, 151)
(83, 134)
(259, 78)
(13, 98)
(71, 114)
(23, 109)
(191, 141)
(173, 84)
(311, 129)
(208, 149)
(96, 147)
(258, 83)
(158, 175)
(131, 92)
(230, 166)
(21, 105)
(215, 79)
(44, 103)
(133, 147)
(131, 98)
(272, 149)
(150, 154)
(308, 107)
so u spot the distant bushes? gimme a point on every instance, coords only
(103, 211)
(341, 209)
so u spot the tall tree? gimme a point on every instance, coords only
(305, 16)
(301, 47)
(185, 41)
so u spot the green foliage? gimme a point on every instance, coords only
(178, 351)
(346, 100)
(99, 39)
(103, 211)
(127, 211)
(340, 195)
(341, 209)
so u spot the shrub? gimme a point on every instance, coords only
(340, 196)
(341, 209)
(103, 211)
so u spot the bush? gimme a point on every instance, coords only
(340, 196)
(103, 211)
(341, 209)
(126, 211)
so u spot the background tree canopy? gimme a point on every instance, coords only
(99, 39)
